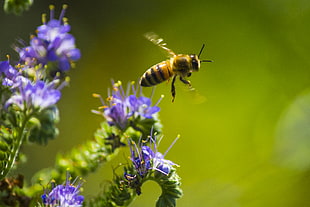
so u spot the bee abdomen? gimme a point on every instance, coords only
(156, 74)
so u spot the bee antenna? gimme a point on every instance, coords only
(206, 61)
(203, 46)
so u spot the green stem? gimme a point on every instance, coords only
(20, 138)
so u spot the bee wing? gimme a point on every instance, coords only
(154, 38)
(196, 97)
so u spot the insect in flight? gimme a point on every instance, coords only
(181, 65)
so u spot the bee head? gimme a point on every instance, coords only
(195, 62)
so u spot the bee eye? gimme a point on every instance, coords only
(195, 64)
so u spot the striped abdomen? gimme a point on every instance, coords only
(156, 74)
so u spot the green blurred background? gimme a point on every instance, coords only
(245, 136)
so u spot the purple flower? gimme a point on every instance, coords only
(10, 74)
(66, 195)
(37, 95)
(158, 162)
(4, 66)
(36, 53)
(125, 108)
(117, 115)
(142, 106)
(53, 43)
(145, 159)
(141, 163)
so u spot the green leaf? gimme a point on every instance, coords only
(17, 6)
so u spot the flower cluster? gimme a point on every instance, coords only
(125, 109)
(66, 195)
(30, 88)
(29, 80)
(53, 43)
(36, 95)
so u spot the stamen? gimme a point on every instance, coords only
(149, 136)
(68, 178)
(121, 89)
(128, 89)
(175, 140)
(65, 20)
(152, 93)
(75, 180)
(63, 11)
(115, 88)
(44, 18)
(134, 91)
(159, 140)
(159, 100)
(72, 64)
(96, 112)
(64, 83)
(96, 95)
(51, 181)
(67, 79)
(118, 83)
(135, 87)
(110, 98)
(139, 141)
(139, 88)
(52, 10)
(103, 107)
(136, 148)
(57, 74)
(109, 92)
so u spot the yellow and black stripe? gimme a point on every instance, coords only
(156, 74)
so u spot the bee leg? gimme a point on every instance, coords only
(187, 82)
(173, 88)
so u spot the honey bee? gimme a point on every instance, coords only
(181, 65)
